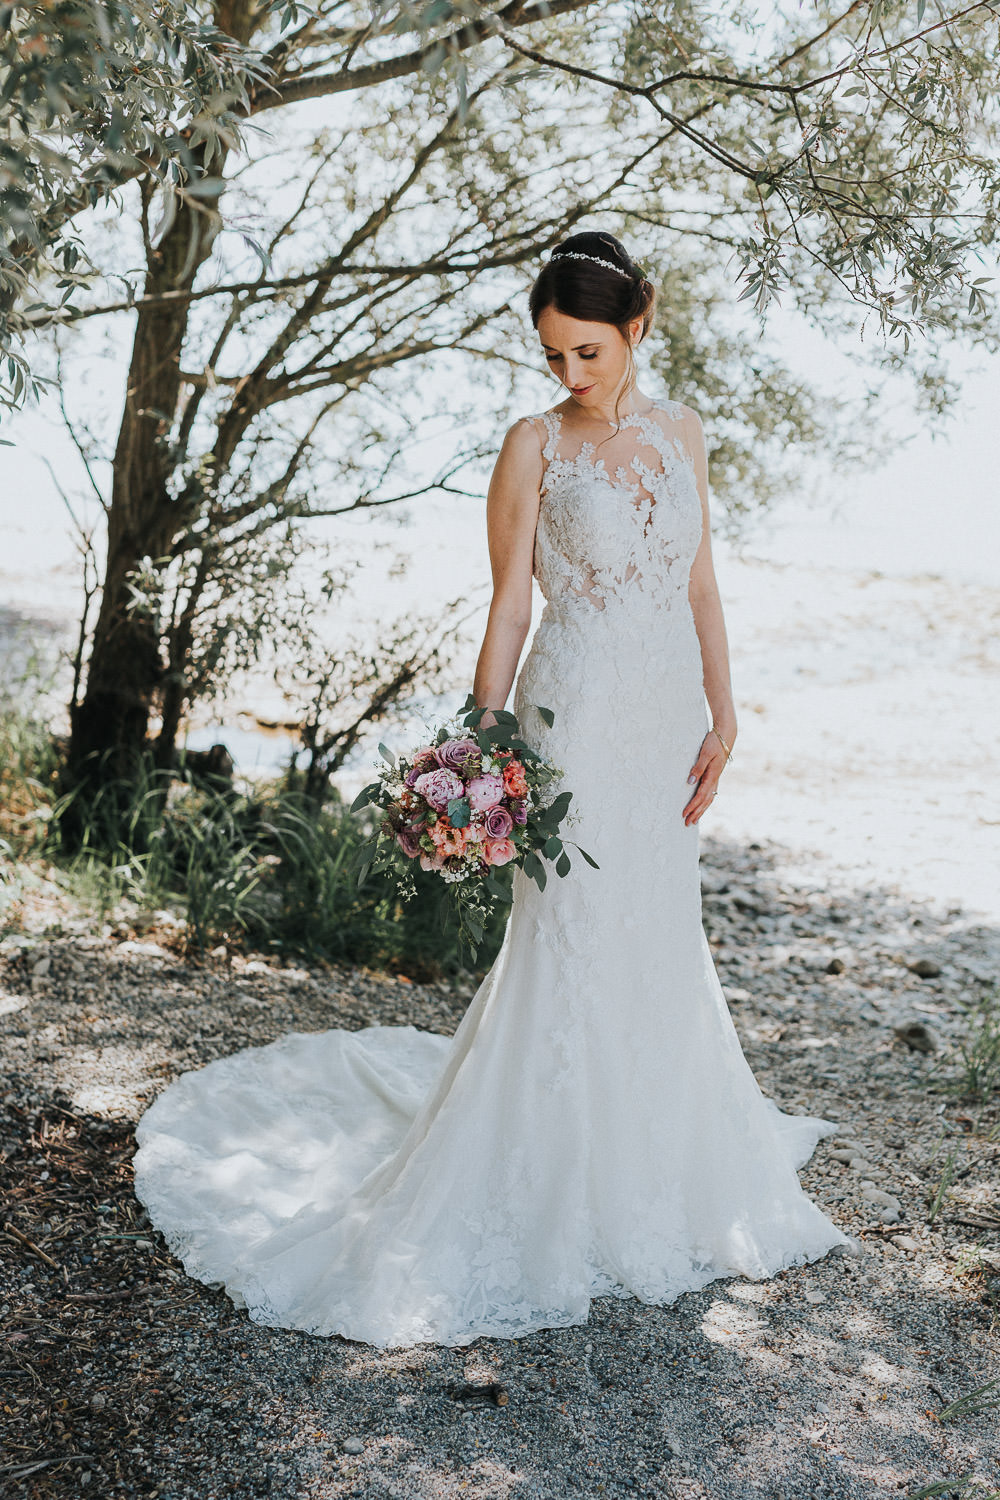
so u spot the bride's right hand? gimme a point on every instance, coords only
(488, 719)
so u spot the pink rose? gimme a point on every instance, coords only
(484, 792)
(439, 787)
(498, 851)
(430, 861)
(424, 759)
(518, 811)
(498, 822)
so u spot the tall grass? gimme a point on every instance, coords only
(254, 865)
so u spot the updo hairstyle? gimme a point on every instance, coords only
(574, 283)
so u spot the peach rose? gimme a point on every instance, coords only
(447, 840)
(498, 851)
(514, 780)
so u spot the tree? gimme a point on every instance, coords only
(855, 165)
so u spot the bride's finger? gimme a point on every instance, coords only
(699, 801)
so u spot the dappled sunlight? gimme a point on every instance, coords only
(112, 1082)
(728, 1323)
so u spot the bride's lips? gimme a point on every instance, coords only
(582, 390)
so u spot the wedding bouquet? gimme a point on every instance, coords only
(469, 808)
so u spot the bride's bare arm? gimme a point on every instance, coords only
(706, 607)
(511, 517)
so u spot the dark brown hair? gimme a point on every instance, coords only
(582, 289)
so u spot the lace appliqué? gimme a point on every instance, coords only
(594, 544)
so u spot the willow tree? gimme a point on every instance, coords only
(417, 164)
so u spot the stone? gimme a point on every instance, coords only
(904, 1242)
(924, 968)
(354, 1445)
(917, 1035)
(889, 1207)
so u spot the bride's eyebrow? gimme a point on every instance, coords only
(594, 344)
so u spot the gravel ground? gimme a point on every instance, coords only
(122, 1376)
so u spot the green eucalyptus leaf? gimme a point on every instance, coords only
(459, 812)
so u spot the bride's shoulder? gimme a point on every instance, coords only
(526, 436)
(677, 411)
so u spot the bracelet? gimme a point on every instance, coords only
(729, 753)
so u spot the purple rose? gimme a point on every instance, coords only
(439, 787)
(408, 842)
(519, 811)
(498, 822)
(484, 792)
(464, 757)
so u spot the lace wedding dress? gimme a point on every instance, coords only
(593, 1126)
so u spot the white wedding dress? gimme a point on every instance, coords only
(593, 1126)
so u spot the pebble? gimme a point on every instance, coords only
(917, 1035)
(890, 1207)
(904, 1242)
(354, 1445)
(924, 968)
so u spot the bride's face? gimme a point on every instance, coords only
(591, 359)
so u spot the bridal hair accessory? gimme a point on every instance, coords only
(470, 806)
(598, 260)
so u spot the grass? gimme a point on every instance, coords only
(251, 865)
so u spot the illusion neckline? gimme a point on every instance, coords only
(629, 417)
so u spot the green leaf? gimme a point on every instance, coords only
(546, 714)
(558, 807)
(364, 796)
(562, 864)
(386, 753)
(459, 812)
(589, 860)
(553, 846)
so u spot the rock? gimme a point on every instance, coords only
(835, 966)
(41, 967)
(815, 1296)
(904, 1242)
(889, 1207)
(354, 1445)
(848, 1144)
(853, 1248)
(924, 968)
(917, 1035)
(98, 1401)
(143, 950)
(849, 1158)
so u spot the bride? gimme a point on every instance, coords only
(593, 1127)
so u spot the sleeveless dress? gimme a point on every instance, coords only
(593, 1127)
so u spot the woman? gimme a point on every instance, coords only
(593, 1126)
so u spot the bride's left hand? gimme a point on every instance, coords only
(706, 772)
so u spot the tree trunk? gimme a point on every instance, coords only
(110, 725)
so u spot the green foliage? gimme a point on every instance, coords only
(976, 1056)
(92, 94)
(258, 866)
